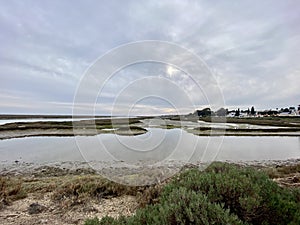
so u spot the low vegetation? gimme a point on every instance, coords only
(267, 121)
(283, 171)
(222, 194)
(81, 189)
(10, 190)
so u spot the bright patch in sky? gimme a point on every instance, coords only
(171, 71)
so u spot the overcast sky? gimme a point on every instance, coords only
(251, 47)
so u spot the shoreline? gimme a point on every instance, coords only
(139, 131)
(136, 126)
(78, 167)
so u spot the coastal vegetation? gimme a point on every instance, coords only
(222, 194)
(10, 190)
(86, 127)
(267, 121)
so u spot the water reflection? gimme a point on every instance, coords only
(158, 145)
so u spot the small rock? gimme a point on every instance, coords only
(36, 208)
(89, 209)
(296, 179)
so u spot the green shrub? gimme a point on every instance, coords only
(246, 192)
(181, 206)
(222, 194)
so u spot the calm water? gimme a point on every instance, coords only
(158, 145)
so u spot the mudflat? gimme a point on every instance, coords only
(120, 126)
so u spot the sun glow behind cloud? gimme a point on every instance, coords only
(171, 71)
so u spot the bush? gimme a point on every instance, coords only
(222, 194)
(246, 192)
(181, 206)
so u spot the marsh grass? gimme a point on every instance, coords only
(268, 121)
(83, 189)
(282, 171)
(11, 189)
(69, 190)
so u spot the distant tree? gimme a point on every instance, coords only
(221, 112)
(248, 111)
(252, 110)
(272, 112)
(206, 112)
(286, 110)
(203, 112)
(237, 112)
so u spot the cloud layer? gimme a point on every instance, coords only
(252, 48)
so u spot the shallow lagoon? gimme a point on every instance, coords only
(156, 146)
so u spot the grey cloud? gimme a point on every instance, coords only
(45, 47)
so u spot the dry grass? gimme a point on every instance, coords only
(68, 190)
(267, 121)
(81, 189)
(72, 190)
(11, 189)
(150, 195)
(78, 190)
(282, 171)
